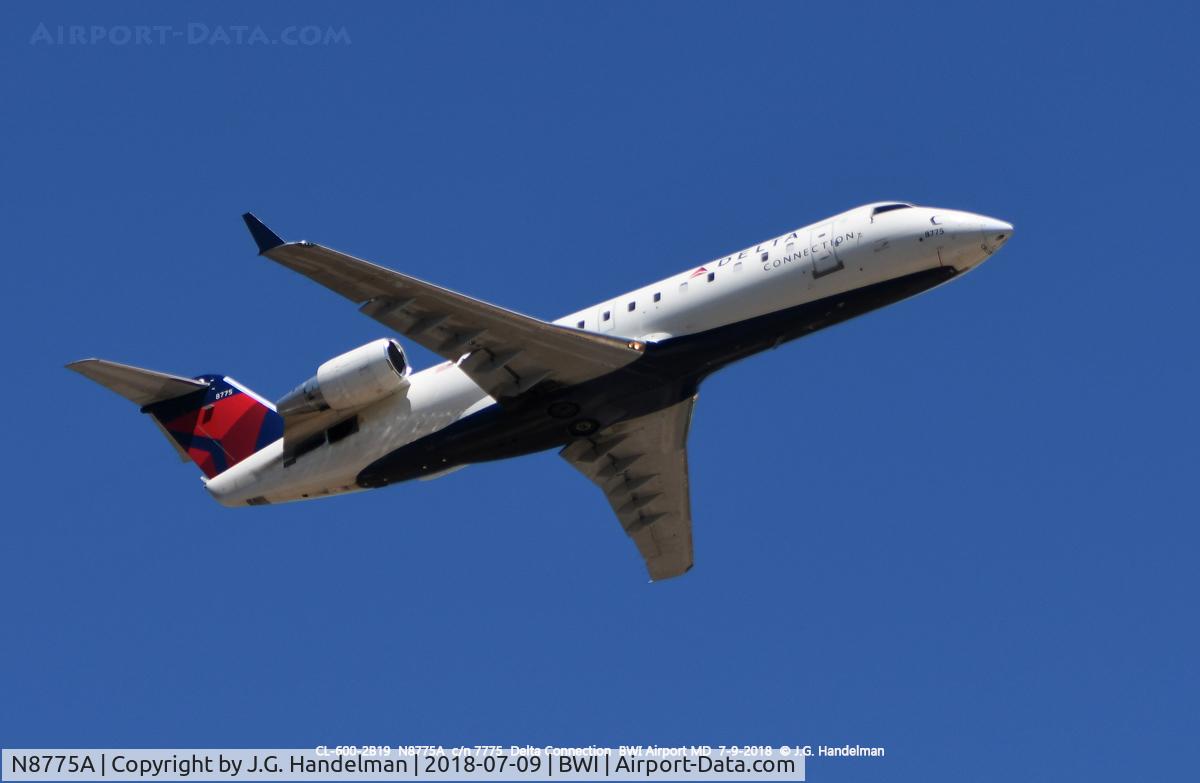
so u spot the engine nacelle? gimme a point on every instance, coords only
(352, 380)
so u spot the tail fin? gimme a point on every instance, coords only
(211, 420)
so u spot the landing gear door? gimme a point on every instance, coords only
(825, 258)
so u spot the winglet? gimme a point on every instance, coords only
(264, 237)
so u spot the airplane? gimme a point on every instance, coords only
(612, 386)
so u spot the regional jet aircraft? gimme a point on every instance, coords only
(612, 385)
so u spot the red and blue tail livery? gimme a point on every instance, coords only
(220, 425)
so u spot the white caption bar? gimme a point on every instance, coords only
(421, 762)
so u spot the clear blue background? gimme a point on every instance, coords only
(963, 527)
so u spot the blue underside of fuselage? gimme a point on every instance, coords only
(669, 372)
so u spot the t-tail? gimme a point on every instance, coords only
(211, 420)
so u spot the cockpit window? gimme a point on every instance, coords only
(888, 208)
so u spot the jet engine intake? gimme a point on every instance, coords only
(355, 379)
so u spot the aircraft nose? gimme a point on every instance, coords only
(995, 233)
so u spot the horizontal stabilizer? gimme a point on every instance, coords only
(139, 386)
(212, 420)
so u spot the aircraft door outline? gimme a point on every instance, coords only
(825, 259)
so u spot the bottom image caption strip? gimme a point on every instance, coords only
(427, 762)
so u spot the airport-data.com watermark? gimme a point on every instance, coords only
(191, 34)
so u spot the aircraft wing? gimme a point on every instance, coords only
(509, 352)
(641, 466)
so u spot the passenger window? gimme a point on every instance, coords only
(683, 287)
(657, 297)
(737, 267)
(607, 315)
(766, 256)
(579, 325)
(712, 276)
(632, 306)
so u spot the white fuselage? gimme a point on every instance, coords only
(852, 250)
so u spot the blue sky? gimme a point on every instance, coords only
(963, 527)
